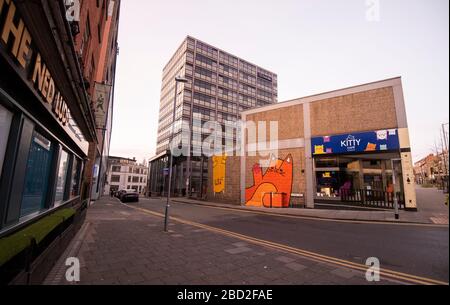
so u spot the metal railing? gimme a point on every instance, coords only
(372, 198)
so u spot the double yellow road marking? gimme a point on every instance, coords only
(239, 210)
(386, 273)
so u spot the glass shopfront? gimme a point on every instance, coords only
(39, 171)
(75, 178)
(42, 147)
(37, 175)
(5, 124)
(61, 177)
(337, 174)
(357, 167)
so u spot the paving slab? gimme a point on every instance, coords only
(135, 251)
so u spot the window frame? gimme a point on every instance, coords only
(17, 151)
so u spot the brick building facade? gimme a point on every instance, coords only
(334, 148)
(97, 49)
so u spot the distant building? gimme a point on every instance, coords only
(424, 169)
(125, 174)
(433, 169)
(220, 86)
(96, 47)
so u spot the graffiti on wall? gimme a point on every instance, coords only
(276, 180)
(219, 163)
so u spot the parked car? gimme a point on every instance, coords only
(130, 196)
(119, 194)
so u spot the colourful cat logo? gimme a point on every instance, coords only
(277, 179)
(371, 147)
(319, 149)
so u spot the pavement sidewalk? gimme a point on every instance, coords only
(431, 210)
(121, 245)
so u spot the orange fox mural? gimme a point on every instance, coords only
(277, 179)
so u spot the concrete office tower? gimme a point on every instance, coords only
(219, 87)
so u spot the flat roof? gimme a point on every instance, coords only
(219, 49)
(328, 94)
(228, 53)
(121, 158)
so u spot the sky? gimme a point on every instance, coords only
(313, 46)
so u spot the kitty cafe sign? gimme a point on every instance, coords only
(370, 141)
(350, 143)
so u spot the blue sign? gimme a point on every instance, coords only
(371, 141)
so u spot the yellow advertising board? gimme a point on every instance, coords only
(219, 163)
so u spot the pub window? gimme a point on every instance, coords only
(61, 178)
(5, 124)
(75, 179)
(37, 175)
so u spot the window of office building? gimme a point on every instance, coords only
(116, 168)
(115, 178)
(37, 175)
(5, 123)
(61, 178)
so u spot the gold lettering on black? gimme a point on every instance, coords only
(24, 49)
(46, 83)
(39, 72)
(51, 91)
(1, 5)
(10, 28)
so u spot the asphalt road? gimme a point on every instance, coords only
(416, 250)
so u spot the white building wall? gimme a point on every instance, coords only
(125, 182)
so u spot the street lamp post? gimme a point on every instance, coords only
(394, 187)
(178, 79)
(445, 156)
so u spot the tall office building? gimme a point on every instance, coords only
(219, 87)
